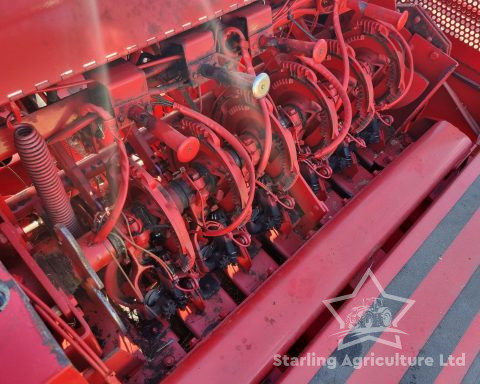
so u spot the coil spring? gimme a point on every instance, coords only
(36, 159)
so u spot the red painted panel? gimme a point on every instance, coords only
(433, 298)
(468, 345)
(46, 40)
(26, 339)
(324, 344)
(243, 346)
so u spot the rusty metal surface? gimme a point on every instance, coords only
(46, 41)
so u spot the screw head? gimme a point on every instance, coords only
(168, 361)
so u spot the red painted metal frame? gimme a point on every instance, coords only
(424, 315)
(271, 320)
(434, 296)
(27, 339)
(65, 38)
(273, 317)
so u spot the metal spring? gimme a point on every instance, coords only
(38, 162)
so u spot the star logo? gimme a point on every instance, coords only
(373, 318)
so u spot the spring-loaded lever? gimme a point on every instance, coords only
(259, 84)
(317, 50)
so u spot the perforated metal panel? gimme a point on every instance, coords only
(458, 18)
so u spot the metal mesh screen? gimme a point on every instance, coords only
(458, 18)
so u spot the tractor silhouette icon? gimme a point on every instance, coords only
(372, 314)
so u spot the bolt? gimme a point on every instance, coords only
(434, 55)
(194, 341)
(194, 176)
(168, 361)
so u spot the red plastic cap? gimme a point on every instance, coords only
(402, 20)
(188, 149)
(319, 51)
